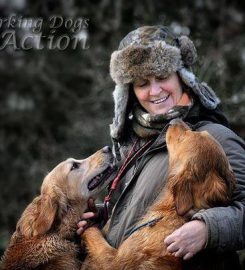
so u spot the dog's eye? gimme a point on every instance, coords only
(75, 165)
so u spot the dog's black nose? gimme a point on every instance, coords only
(106, 149)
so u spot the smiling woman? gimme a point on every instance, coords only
(154, 85)
(157, 95)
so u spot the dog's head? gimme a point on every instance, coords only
(81, 178)
(200, 175)
(70, 182)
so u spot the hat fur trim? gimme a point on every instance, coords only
(204, 92)
(188, 50)
(120, 95)
(137, 61)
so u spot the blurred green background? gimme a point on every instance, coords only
(57, 102)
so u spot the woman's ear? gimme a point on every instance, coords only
(182, 193)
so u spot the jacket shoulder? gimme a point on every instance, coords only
(221, 133)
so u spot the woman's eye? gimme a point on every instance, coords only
(161, 78)
(75, 165)
(141, 84)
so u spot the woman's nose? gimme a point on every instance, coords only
(155, 88)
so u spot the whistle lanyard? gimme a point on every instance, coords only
(131, 155)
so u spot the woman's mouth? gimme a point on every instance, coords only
(158, 101)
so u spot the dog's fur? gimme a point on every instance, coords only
(45, 234)
(199, 177)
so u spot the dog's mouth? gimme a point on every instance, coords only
(101, 178)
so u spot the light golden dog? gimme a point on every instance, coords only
(45, 233)
(199, 177)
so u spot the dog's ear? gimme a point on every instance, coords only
(47, 212)
(182, 193)
(217, 190)
(228, 176)
(38, 217)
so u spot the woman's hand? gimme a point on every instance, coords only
(188, 239)
(91, 214)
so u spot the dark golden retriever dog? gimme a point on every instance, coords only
(44, 236)
(199, 177)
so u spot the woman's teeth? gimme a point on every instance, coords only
(161, 100)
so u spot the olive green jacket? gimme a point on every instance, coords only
(146, 178)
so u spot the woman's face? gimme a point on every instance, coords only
(158, 95)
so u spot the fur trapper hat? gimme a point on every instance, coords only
(153, 50)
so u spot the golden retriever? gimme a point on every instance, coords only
(45, 234)
(199, 177)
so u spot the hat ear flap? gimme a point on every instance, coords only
(120, 96)
(188, 50)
